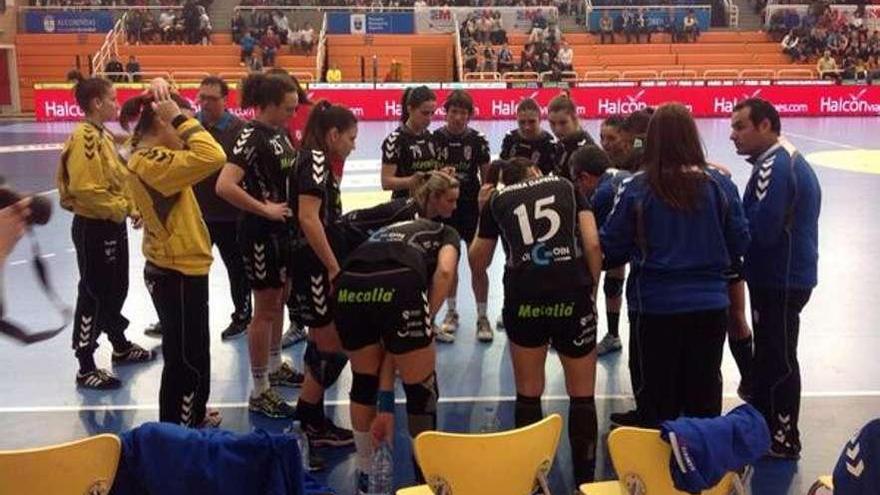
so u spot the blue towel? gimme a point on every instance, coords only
(705, 449)
(167, 459)
(858, 469)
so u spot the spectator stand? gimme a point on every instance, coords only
(110, 45)
(656, 16)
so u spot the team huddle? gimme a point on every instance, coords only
(369, 284)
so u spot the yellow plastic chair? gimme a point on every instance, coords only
(825, 482)
(508, 463)
(83, 467)
(641, 460)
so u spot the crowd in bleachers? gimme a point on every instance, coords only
(841, 44)
(632, 23)
(189, 25)
(261, 34)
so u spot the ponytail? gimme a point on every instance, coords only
(431, 184)
(260, 90)
(140, 110)
(323, 117)
(87, 89)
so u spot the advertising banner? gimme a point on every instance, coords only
(91, 21)
(514, 19)
(370, 23)
(56, 102)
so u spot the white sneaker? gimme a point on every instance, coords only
(443, 337)
(450, 322)
(484, 330)
(609, 343)
(293, 335)
(499, 324)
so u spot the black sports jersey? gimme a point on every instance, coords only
(537, 222)
(414, 244)
(313, 176)
(567, 146)
(466, 152)
(541, 151)
(267, 156)
(358, 225)
(410, 152)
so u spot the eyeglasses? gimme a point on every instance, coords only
(210, 98)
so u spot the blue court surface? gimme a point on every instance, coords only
(40, 405)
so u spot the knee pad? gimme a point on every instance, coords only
(613, 287)
(421, 398)
(324, 366)
(364, 389)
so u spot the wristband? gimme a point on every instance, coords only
(385, 401)
(178, 121)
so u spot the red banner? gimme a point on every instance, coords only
(56, 103)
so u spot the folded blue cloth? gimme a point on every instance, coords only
(705, 449)
(858, 469)
(167, 459)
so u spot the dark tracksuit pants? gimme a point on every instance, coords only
(677, 364)
(224, 236)
(777, 374)
(102, 258)
(182, 304)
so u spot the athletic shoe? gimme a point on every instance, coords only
(363, 483)
(235, 329)
(450, 322)
(98, 380)
(609, 343)
(329, 435)
(499, 323)
(286, 376)
(134, 354)
(271, 404)
(484, 330)
(443, 337)
(154, 330)
(629, 418)
(316, 462)
(293, 335)
(783, 453)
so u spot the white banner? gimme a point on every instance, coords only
(513, 19)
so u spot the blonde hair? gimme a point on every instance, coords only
(431, 184)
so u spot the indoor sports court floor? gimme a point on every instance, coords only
(39, 403)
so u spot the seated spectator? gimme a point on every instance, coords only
(777, 24)
(565, 57)
(827, 67)
(269, 45)
(247, 44)
(307, 38)
(529, 56)
(790, 46)
(860, 69)
(166, 27)
(630, 24)
(873, 67)
(205, 27)
(670, 26)
(506, 61)
(690, 26)
(552, 35)
(642, 26)
(238, 25)
(253, 63)
(539, 21)
(282, 26)
(484, 28)
(469, 59)
(498, 35)
(179, 30)
(149, 29)
(544, 63)
(114, 69)
(874, 43)
(837, 43)
(133, 68)
(134, 26)
(395, 72)
(191, 22)
(489, 58)
(606, 28)
(792, 20)
(334, 75)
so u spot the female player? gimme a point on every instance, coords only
(529, 141)
(409, 150)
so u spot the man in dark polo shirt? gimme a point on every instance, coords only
(219, 215)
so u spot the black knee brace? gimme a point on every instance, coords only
(364, 389)
(582, 437)
(527, 410)
(324, 366)
(421, 404)
(613, 287)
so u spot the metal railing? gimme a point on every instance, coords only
(459, 62)
(482, 76)
(524, 76)
(720, 74)
(566, 75)
(110, 46)
(321, 57)
(601, 75)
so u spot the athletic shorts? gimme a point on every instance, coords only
(388, 307)
(464, 221)
(266, 258)
(565, 320)
(311, 287)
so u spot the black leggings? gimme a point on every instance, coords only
(102, 258)
(182, 304)
(678, 364)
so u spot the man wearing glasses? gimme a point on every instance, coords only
(219, 215)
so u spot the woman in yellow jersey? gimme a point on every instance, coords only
(91, 184)
(171, 153)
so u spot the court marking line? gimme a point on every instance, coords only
(442, 400)
(823, 141)
(24, 148)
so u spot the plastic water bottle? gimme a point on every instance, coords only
(303, 441)
(382, 471)
(490, 421)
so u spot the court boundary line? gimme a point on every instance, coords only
(442, 400)
(823, 141)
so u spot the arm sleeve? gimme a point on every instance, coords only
(736, 228)
(488, 225)
(773, 191)
(311, 170)
(391, 149)
(482, 151)
(171, 171)
(617, 236)
(450, 237)
(88, 182)
(506, 147)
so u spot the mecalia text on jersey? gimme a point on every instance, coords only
(376, 295)
(558, 310)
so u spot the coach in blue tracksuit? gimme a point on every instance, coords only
(678, 223)
(782, 202)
